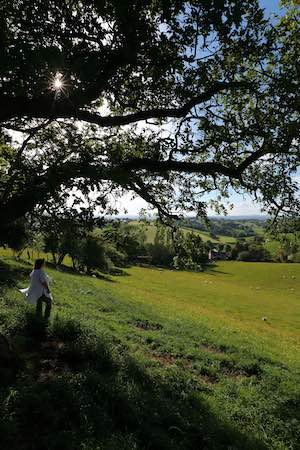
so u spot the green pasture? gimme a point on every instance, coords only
(150, 231)
(186, 360)
(270, 243)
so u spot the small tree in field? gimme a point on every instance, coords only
(191, 253)
(126, 239)
(63, 238)
(92, 255)
(162, 249)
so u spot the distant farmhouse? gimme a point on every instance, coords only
(216, 255)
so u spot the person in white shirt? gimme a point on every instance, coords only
(38, 292)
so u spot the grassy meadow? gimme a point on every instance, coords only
(155, 359)
(271, 244)
(150, 231)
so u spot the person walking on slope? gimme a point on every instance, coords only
(38, 291)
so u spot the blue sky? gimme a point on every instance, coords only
(270, 6)
(243, 204)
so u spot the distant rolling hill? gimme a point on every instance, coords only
(150, 230)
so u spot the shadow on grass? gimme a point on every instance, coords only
(108, 277)
(212, 269)
(18, 270)
(13, 273)
(80, 391)
(102, 277)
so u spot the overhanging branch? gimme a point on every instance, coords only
(44, 107)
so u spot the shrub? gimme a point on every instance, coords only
(186, 263)
(295, 257)
(17, 236)
(162, 254)
(254, 253)
(92, 255)
(65, 328)
(244, 256)
(117, 257)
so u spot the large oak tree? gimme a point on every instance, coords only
(170, 99)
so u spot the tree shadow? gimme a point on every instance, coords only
(119, 274)
(10, 274)
(214, 270)
(103, 277)
(77, 390)
(13, 273)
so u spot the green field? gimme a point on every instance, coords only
(150, 230)
(271, 244)
(163, 360)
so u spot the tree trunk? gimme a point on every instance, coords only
(60, 259)
(54, 258)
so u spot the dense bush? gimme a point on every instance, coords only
(92, 255)
(237, 249)
(17, 236)
(295, 257)
(161, 254)
(186, 263)
(127, 239)
(117, 257)
(254, 253)
(253, 250)
(191, 252)
(178, 250)
(244, 256)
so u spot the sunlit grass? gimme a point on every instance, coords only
(150, 230)
(201, 334)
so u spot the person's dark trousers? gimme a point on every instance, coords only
(39, 306)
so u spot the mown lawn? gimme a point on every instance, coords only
(156, 359)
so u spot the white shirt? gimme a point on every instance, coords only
(36, 288)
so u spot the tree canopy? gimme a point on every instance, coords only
(168, 99)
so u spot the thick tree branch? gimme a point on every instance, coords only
(156, 166)
(41, 187)
(45, 107)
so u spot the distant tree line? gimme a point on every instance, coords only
(106, 247)
(93, 245)
(233, 228)
(253, 250)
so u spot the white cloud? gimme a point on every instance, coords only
(245, 208)
(127, 205)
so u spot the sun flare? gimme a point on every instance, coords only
(57, 83)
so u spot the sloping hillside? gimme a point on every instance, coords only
(150, 230)
(154, 359)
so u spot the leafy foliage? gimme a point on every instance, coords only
(127, 239)
(190, 251)
(18, 236)
(216, 78)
